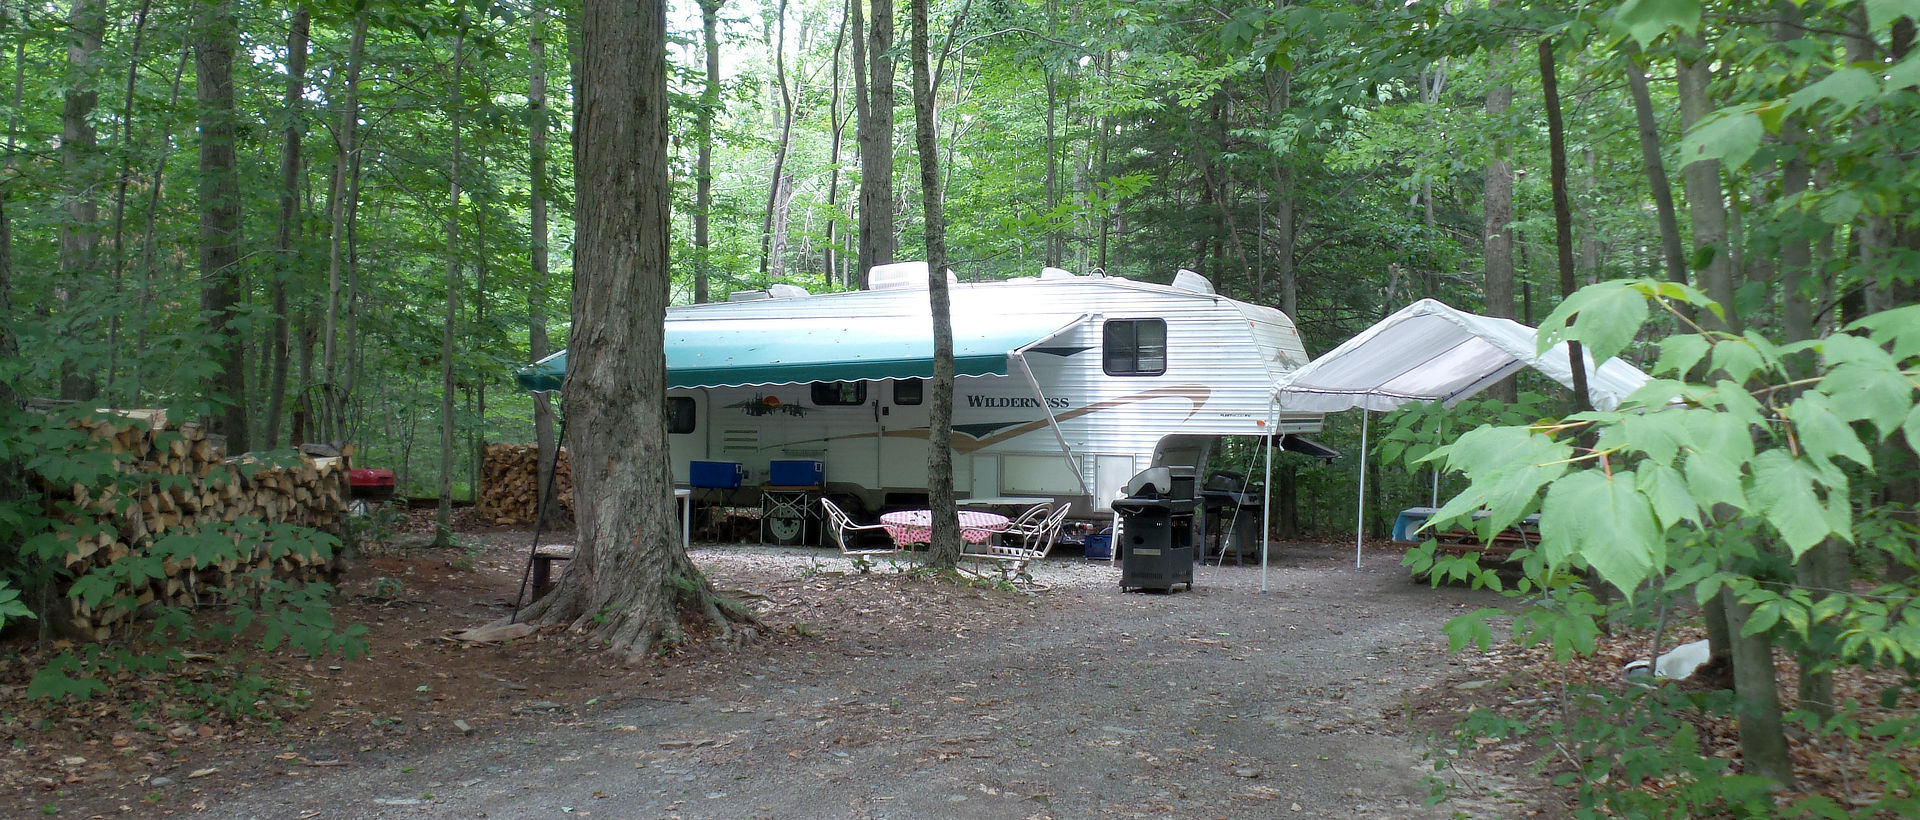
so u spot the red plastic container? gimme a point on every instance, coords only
(370, 483)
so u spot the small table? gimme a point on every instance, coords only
(916, 526)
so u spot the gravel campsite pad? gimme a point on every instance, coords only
(875, 695)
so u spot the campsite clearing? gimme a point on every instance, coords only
(875, 695)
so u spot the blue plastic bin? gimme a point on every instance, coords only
(804, 472)
(1100, 547)
(717, 475)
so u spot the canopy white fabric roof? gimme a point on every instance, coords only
(1431, 352)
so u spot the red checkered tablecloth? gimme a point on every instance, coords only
(916, 526)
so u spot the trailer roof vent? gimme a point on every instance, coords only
(747, 296)
(1056, 273)
(1192, 282)
(786, 292)
(902, 276)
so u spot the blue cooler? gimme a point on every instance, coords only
(1100, 547)
(715, 475)
(805, 472)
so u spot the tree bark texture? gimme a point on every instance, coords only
(286, 263)
(1562, 211)
(1763, 746)
(443, 531)
(341, 206)
(1706, 202)
(629, 573)
(79, 149)
(546, 448)
(1650, 155)
(703, 171)
(944, 551)
(875, 135)
(215, 40)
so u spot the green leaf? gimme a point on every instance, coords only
(1904, 74)
(1783, 491)
(1730, 135)
(1881, 14)
(1899, 327)
(1471, 629)
(1763, 618)
(1605, 317)
(1606, 522)
(1912, 429)
(1822, 433)
(1667, 491)
(1646, 20)
(1678, 354)
(1869, 387)
(1846, 87)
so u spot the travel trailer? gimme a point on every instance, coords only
(1068, 386)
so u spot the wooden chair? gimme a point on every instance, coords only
(844, 530)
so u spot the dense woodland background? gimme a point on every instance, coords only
(350, 222)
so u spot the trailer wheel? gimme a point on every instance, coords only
(784, 529)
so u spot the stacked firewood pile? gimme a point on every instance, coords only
(510, 485)
(181, 482)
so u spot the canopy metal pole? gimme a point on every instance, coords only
(1266, 511)
(1360, 510)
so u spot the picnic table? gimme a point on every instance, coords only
(916, 526)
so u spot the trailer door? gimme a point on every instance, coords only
(903, 419)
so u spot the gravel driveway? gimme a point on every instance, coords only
(909, 699)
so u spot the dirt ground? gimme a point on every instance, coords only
(874, 696)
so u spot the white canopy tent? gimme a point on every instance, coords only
(1431, 352)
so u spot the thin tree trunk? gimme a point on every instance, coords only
(79, 237)
(629, 574)
(1706, 203)
(443, 533)
(149, 272)
(1650, 151)
(1497, 227)
(775, 202)
(122, 180)
(944, 551)
(1285, 221)
(877, 240)
(838, 127)
(286, 265)
(1562, 212)
(537, 245)
(1763, 746)
(341, 206)
(703, 173)
(216, 40)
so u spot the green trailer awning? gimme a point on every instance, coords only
(738, 352)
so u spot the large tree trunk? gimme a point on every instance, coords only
(443, 531)
(1562, 211)
(79, 233)
(215, 40)
(286, 265)
(629, 574)
(875, 135)
(340, 207)
(703, 172)
(944, 551)
(546, 449)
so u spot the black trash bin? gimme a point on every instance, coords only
(1156, 535)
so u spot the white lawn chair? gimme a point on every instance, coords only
(844, 530)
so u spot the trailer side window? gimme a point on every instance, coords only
(909, 391)
(1136, 347)
(839, 394)
(680, 415)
